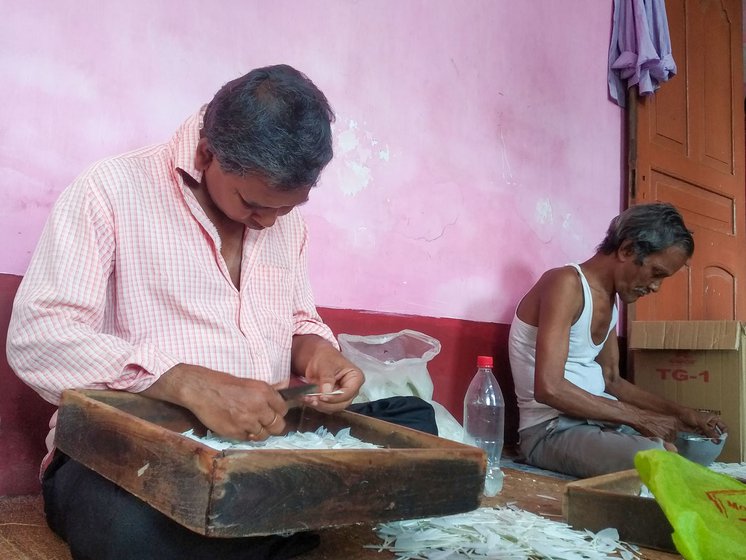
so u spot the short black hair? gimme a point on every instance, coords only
(650, 228)
(272, 122)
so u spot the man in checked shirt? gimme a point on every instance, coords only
(178, 271)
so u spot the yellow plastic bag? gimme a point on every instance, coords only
(706, 509)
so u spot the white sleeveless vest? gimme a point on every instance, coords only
(581, 367)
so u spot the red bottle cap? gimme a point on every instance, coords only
(484, 361)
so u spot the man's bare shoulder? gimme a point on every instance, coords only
(562, 279)
(557, 289)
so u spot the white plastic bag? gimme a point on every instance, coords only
(395, 365)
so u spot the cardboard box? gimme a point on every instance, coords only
(137, 443)
(613, 500)
(700, 364)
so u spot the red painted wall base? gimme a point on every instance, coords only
(451, 370)
(24, 415)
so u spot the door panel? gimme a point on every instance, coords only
(718, 100)
(688, 149)
(720, 284)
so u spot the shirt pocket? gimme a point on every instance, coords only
(270, 304)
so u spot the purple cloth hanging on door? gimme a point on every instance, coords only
(640, 50)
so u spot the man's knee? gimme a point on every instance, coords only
(410, 412)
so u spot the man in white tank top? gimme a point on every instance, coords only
(578, 415)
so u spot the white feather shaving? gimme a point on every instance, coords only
(320, 439)
(500, 533)
(736, 470)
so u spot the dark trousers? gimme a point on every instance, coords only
(101, 521)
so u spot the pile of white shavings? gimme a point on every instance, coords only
(320, 439)
(736, 470)
(645, 492)
(498, 533)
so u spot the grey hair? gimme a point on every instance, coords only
(274, 123)
(650, 228)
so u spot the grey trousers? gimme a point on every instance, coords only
(582, 449)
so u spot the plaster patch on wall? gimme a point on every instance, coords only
(355, 149)
(364, 154)
(384, 154)
(544, 211)
(347, 139)
(357, 178)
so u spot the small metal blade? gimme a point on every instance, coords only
(292, 394)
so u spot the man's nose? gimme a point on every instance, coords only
(655, 286)
(266, 217)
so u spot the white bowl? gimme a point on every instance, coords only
(699, 448)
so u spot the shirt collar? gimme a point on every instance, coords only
(184, 145)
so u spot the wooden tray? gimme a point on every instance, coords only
(136, 442)
(613, 500)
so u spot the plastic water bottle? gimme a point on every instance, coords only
(484, 421)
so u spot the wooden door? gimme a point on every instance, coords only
(687, 148)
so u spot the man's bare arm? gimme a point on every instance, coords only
(686, 418)
(557, 305)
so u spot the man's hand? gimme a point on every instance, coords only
(229, 406)
(320, 363)
(707, 423)
(652, 424)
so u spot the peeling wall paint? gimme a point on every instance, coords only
(475, 145)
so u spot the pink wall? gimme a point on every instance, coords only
(476, 145)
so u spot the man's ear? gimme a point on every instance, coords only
(203, 156)
(626, 251)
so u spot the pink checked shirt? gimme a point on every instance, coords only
(128, 280)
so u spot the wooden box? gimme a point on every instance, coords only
(613, 500)
(136, 442)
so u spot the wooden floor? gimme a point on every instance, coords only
(25, 536)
